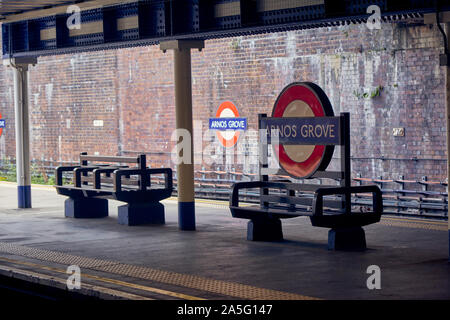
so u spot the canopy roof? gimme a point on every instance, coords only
(34, 28)
(10, 7)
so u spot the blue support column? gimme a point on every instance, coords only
(186, 215)
(20, 66)
(24, 196)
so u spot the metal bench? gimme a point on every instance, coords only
(327, 206)
(99, 178)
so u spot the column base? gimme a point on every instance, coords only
(186, 216)
(264, 230)
(141, 213)
(24, 197)
(86, 208)
(352, 239)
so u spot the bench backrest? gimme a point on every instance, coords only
(85, 177)
(140, 160)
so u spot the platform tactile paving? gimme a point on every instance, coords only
(225, 288)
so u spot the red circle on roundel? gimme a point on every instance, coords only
(317, 101)
(233, 112)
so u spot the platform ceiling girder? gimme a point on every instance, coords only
(16, 10)
(107, 24)
(9, 7)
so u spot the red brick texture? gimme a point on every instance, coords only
(132, 91)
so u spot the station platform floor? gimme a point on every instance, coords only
(216, 261)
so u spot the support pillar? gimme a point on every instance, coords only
(183, 105)
(22, 123)
(447, 116)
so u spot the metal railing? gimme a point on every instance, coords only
(424, 198)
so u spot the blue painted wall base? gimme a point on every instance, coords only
(264, 230)
(86, 208)
(140, 214)
(24, 197)
(352, 239)
(186, 216)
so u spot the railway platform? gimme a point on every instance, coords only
(215, 262)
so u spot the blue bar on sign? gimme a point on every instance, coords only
(303, 131)
(2, 123)
(231, 124)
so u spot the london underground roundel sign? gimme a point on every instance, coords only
(228, 124)
(2, 124)
(303, 100)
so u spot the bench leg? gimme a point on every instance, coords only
(141, 213)
(352, 239)
(264, 230)
(85, 208)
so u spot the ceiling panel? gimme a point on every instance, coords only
(8, 7)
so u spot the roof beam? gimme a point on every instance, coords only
(110, 23)
(61, 9)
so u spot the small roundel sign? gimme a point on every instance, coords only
(300, 100)
(2, 124)
(228, 124)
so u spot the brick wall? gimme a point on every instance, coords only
(132, 91)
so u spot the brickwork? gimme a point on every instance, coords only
(132, 91)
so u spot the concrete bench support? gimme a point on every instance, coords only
(264, 230)
(141, 213)
(86, 208)
(351, 239)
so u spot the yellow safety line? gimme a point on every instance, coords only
(188, 281)
(410, 225)
(107, 280)
(418, 221)
(33, 186)
(13, 272)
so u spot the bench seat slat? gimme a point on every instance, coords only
(301, 200)
(109, 159)
(149, 195)
(255, 212)
(304, 187)
(125, 181)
